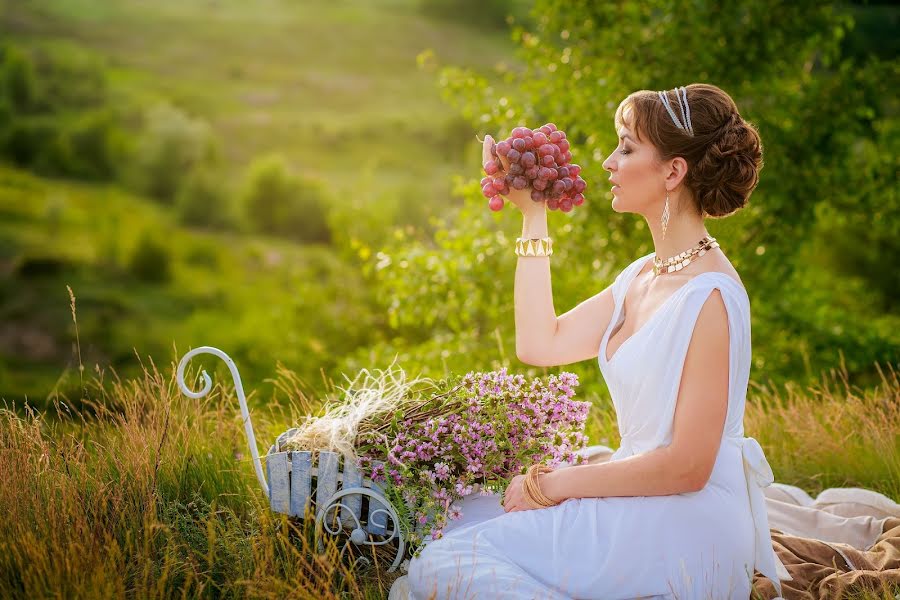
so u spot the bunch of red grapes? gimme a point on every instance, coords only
(539, 159)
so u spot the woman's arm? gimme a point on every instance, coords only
(533, 293)
(686, 464)
(542, 338)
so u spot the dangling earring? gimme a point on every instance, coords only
(665, 216)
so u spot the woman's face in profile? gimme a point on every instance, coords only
(635, 174)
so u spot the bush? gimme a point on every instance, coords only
(150, 261)
(29, 142)
(18, 82)
(88, 147)
(171, 146)
(203, 202)
(275, 201)
(69, 79)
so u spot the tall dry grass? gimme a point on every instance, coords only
(150, 496)
(833, 434)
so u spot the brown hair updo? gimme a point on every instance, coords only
(724, 155)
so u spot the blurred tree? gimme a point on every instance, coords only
(204, 202)
(170, 146)
(150, 260)
(276, 201)
(17, 78)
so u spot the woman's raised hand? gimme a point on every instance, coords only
(521, 198)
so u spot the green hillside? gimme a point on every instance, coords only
(338, 90)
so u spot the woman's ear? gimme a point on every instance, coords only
(676, 172)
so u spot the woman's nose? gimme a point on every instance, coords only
(608, 164)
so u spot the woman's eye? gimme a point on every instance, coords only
(624, 151)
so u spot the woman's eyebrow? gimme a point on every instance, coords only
(627, 137)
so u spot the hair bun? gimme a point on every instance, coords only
(727, 172)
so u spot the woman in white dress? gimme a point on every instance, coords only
(678, 511)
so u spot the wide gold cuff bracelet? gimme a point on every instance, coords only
(534, 246)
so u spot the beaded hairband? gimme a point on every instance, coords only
(683, 105)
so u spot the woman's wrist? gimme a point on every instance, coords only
(549, 484)
(534, 224)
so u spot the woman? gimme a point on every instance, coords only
(678, 511)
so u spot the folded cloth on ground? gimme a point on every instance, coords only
(834, 570)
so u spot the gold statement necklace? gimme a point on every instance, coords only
(680, 261)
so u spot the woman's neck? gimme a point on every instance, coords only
(682, 234)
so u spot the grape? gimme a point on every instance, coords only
(539, 184)
(540, 138)
(565, 204)
(513, 155)
(528, 159)
(578, 199)
(568, 183)
(552, 175)
(552, 203)
(548, 161)
(555, 137)
(551, 126)
(488, 191)
(491, 167)
(574, 170)
(529, 143)
(537, 195)
(545, 150)
(559, 187)
(519, 144)
(503, 148)
(518, 133)
(532, 172)
(563, 144)
(520, 183)
(563, 172)
(516, 168)
(567, 156)
(579, 185)
(486, 180)
(496, 203)
(498, 184)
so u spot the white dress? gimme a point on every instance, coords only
(703, 544)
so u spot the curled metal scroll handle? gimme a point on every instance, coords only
(207, 385)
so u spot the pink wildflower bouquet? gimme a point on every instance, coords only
(470, 434)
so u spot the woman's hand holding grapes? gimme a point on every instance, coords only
(520, 197)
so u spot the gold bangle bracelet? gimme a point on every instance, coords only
(534, 246)
(532, 488)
